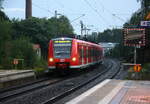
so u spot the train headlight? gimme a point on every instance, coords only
(73, 59)
(51, 59)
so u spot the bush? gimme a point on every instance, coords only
(19, 49)
(40, 67)
(22, 49)
(5, 38)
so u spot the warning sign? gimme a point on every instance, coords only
(148, 16)
(137, 68)
(15, 61)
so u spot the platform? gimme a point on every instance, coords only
(116, 92)
(9, 78)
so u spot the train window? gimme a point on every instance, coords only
(62, 50)
(87, 53)
(82, 52)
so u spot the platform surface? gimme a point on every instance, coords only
(10, 78)
(8, 75)
(116, 92)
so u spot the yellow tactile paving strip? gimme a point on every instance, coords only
(138, 93)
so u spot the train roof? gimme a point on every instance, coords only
(80, 41)
(62, 38)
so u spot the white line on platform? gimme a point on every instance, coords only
(84, 95)
(108, 98)
(130, 64)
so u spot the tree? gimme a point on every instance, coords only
(3, 16)
(114, 35)
(64, 26)
(144, 3)
(5, 38)
(42, 30)
(22, 49)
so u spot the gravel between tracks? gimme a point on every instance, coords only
(37, 97)
(85, 88)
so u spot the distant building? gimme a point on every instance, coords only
(37, 49)
(107, 46)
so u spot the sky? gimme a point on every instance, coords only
(99, 15)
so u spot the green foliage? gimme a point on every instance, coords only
(23, 49)
(41, 30)
(40, 66)
(5, 37)
(146, 68)
(120, 51)
(3, 16)
(15, 44)
(18, 49)
(139, 16)
(114, 35)
(64, 26)
(144, 3)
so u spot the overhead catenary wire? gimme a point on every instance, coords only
(96, 11)
(113, 14)
(42, 8)
(77, 18)
(65, 7)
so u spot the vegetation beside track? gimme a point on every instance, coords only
(144, 74)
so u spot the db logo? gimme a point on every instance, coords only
(137, 68)
(62, 60)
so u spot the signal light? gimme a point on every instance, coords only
(51, 59)
(73, 59)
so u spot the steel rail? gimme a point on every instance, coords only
(66, 93)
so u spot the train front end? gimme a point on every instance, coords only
(62, 54)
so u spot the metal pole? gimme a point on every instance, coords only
(81, 28)
(55, 13)
(135, 55)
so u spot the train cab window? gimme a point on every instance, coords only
(62, 49)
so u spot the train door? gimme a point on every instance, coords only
(92, 59)
(82, 55)
(87, 55)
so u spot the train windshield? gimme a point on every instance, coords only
(62, 49)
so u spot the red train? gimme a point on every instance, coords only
(70, 53)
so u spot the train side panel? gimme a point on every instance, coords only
(82, 54)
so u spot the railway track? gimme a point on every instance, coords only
(20, 90)
(68, 92)
(53, 91)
